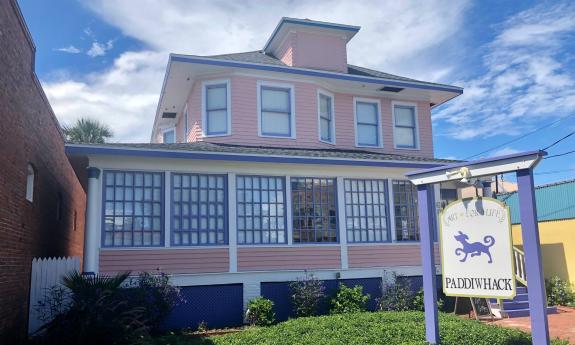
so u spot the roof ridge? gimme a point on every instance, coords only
(542, 186)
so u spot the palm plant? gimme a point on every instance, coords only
(87, 131)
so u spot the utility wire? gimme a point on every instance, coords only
(560, 154)
(553, 172)
(558, 141)
(523, 136)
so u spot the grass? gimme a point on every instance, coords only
(362, 328)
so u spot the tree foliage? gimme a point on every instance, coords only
(87, 131)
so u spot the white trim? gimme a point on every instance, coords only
(379, 128)
(30, 179)
(288, 208)
(167, 209)
(321, 92)
(342, 222)
(186, 119)
(415, 119)
(204, 125)
(232, 223)
(169, 129)
(391, 208)
(291, 87)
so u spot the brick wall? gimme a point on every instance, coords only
(29, 133)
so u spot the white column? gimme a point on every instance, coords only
(342, 223)
(289, 214)
(167, 209)
(391, 209)
(92, 230)
(232, 225)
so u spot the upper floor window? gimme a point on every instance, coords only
(261, 209)
(216, 114)
(276, 110)
(169, 136)
(314, 209)
(133, 209)
(186, 123)
(30, 176)
(366, 210)
(325, 117)
(405, 126)
(367, 123)
(199, 209)
(405, 209)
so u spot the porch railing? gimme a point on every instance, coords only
(519, 257)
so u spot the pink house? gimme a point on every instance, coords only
(262, 165)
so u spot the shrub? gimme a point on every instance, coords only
(307, 293)
(260, 312)
(418, 304)
(559, 292)
(349, 300)
(396, 295)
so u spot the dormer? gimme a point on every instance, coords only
(311, 44)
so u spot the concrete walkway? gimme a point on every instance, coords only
(561, 325)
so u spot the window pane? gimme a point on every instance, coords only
(314, 209)
(404, 137)
(126, 216)
(216, 97)
(366, 213)
(169, 137)
(325, 129)
(275, 99)
(405, 207)
(217, 121)
(276, 123)
(405, 116)
(366, 113)
(325, 106)
(367, 135)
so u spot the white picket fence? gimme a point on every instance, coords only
(46, 273)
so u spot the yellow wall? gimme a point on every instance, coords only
(557, 247)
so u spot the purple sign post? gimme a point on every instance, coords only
(522, 164)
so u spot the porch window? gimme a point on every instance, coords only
(405, 207)
(276, 111)
(169, 136)
(367, 124)
(366, 210)
(133, 209)
(261, 210)
(405, 131)
(216, 114)
(314, 208)
(199, 210)
(325, 113)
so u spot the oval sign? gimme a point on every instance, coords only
(477, 249)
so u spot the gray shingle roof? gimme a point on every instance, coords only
(276, 151)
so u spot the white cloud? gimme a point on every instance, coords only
(504, 151)
(99, 49)
(527, 78)
(125, 96)
(69, 49)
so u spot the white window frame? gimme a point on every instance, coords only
(416, 120)
(205, 84)
(186, 122)
(379, 128)
(169, 129)
(332, 129)
(30, 181)
(291, 87)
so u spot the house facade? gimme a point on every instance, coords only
(42, 203)
(263, 166)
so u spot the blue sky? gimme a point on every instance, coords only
(515, 59)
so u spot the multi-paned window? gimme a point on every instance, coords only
(276, 111)
(405, 208)
(261, 210)
(405, 131)
(133, 209)
(366, 211)
(169, 136)
(314, 209)
(199, 210)
(216, 113)
(325, 113)
(367, 123)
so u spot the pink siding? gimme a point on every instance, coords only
(245, 121)
(195, 260)
(320, 51)
(285, 51)
(270, 258)
(386, 255)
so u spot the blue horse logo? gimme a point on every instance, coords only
(475, 248)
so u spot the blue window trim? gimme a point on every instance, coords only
(285, 213)
(377, 124)
(277, 111)
(413, 128)
(208, 110)
(226, 212)
(103, 206)
(387, 210)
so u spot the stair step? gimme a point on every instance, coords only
(513, 305)
(521, 289)
(521, 297)
(524, 312)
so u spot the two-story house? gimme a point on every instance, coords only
(262, 165)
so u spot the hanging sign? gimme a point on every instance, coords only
(477, 249)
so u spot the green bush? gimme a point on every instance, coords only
(349, 300)
(260, 312)
(390, 328)
(418, 304)
(559, 292)
(396, 295)
(307, 293)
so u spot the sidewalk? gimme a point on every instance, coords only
(561, 325)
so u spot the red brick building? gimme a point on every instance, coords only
(42, 204)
